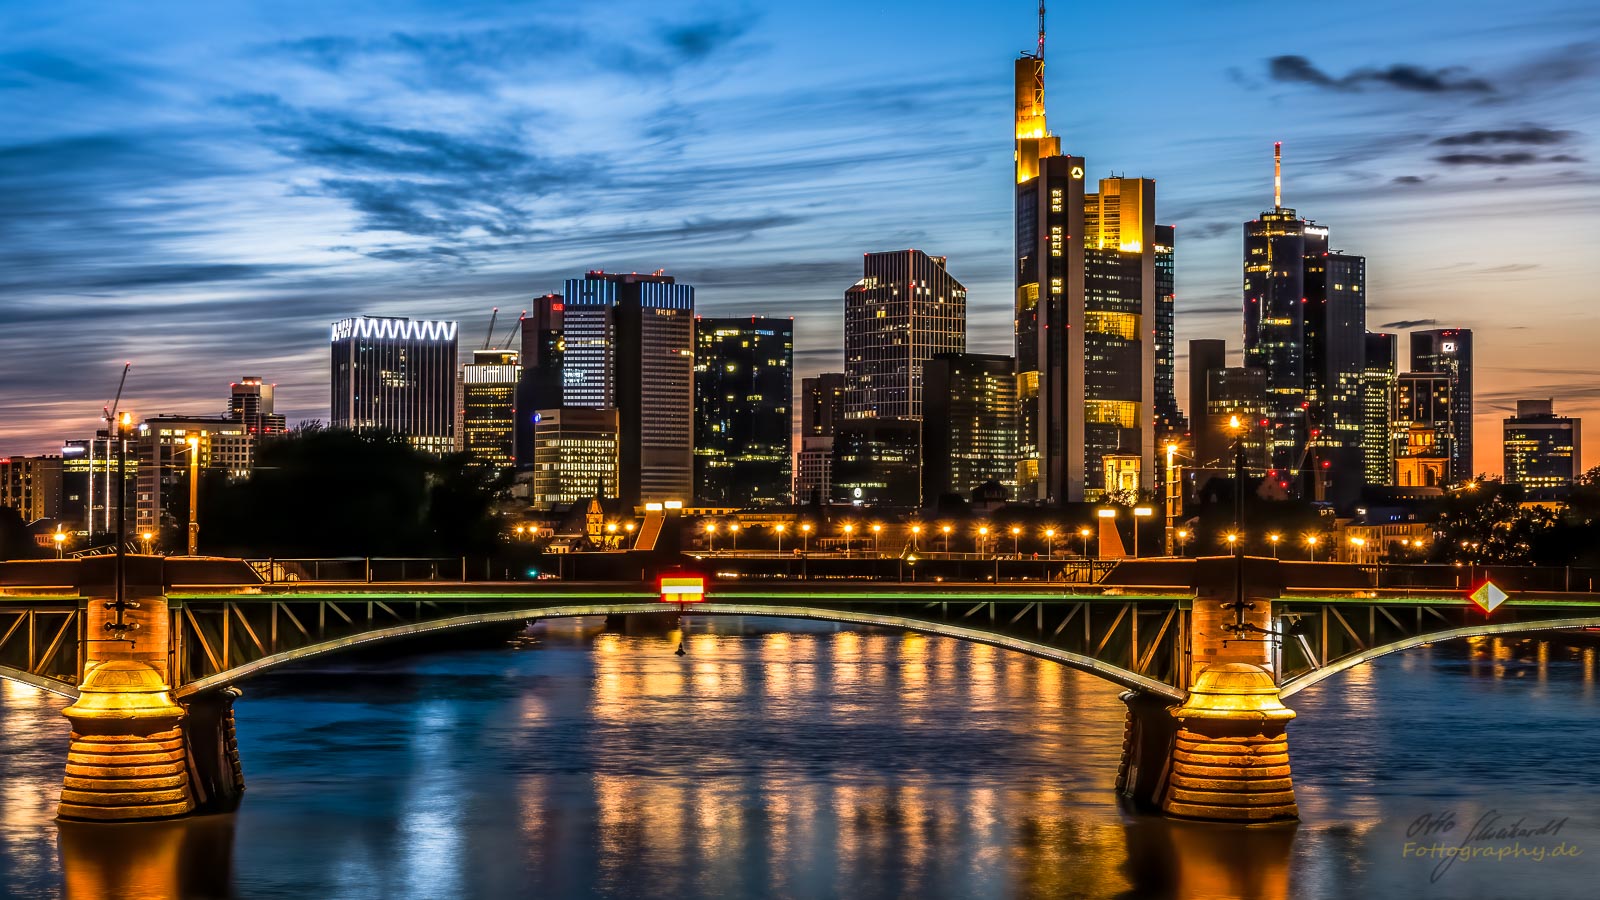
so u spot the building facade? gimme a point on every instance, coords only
(969, 426)
(877, 462)
(1205, 356)
(629, 346)
(397, 375)
(1169, 416)
(486, 409)
(1085, 312)
(250, 402)
(162, 448)
(1305, 327)
(744, 422)
(32, 485)
(539, 385)
(89, 496)
(1377, 404)
(1543, 451)
(1448, 352)
(821, 403)
(576, 455)
(906, 309)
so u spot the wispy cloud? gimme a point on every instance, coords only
(1399, 76)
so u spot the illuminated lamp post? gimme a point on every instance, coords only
(849, 530)
(983, 538)
(1273, 539)
(145, 538)
(778, 529)
(733, 529)
(1311, 544)
(193, 441)
(877, 531)
(916, 532)
(947, 538)
(1050, 535)
(61, 542)
(805, 537)
(711, 537)
(1183, 538)
(1016, 542)
(1139, 512)
(1084, 533)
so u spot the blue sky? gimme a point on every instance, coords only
(202, 188)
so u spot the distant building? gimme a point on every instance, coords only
(1448, 352)
(1211, 448)
(398, 375)
(539, 385)
(161, 487)
(1543, 451)
(1423, 402)
(486, 409)
(1238, 394)
(1377, 403)
(821, 403)
(89, 484)
(250, 403)
(629, 346)
(876, 462)
(813, 473)
(575, 455)
(905, 309)
(1305, 326)
(969, 424)
(1169, 418)
(744, 422)
(32, 486)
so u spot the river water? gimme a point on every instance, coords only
(791, 759)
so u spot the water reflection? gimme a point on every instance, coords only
(802, 762)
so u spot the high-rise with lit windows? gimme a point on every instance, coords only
(539, 384)
(1543, 451)
(969, 426)
(743, 413)
(1448, 352)
(486, 409)
(1305, 327)
(1377, 405)
(629, 346)
(397, 375)
(905, 309)
(1085, 313)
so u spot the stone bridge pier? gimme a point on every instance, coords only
(136, 753)
(1223, 753)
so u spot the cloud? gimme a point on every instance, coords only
(698, 40)
(1510, 158)
(1409, 179)
(1409, 323)
(1400, 76)
(1529, 134)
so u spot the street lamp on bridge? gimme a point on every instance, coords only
(1084, 533)
(877, 530)
(733, 529)
(946, 530)
(983, 538)
(1183, 538)
(1311, 544)
(1016, 541)
(849, 529)
(778, 529)
(1050, 536)
(916, 532)
(1273, 539)
(805, 537)
(711, 537)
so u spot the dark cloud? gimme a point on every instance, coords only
(1401, 76)
(1526, 135)
(1207, 231)
(1219, 310)
(1409, 323)
(698, 40)
(1409, 179)
(1511, 158)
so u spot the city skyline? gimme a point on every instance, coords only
(345, 167)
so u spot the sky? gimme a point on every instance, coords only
(202, 188)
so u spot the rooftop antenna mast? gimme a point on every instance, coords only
(1041, 29)
(1277, 174)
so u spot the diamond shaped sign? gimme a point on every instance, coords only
(1488, 595)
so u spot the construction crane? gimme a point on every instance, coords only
(109, 413)
(490, 336)
(515, 327)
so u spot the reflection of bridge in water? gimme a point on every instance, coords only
(1205, 736)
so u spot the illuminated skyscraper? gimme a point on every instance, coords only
(396, 374)
(250, 402)
(629, 346)
(821, 403)
(1448, 352)
(574, 456)
(486, 409)
(539, 385)
(969, 424)
(1085, 312)
(1168, 414)
(1543, 450)
(743, 421)
(1377, 404)
(1305, 326)
(905, 309)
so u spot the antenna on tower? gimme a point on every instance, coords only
(1277, 174)
(1041, 29)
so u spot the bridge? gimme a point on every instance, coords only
(1206, 651)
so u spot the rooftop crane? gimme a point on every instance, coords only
(109, 413)
(515, 327)
(490, 336)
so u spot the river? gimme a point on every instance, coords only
(792, 759)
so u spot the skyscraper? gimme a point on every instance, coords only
(629, 346)
(1377, 404)
(905, 309)
(250, 402)
(1305, 326)
(1085, 311)
(877, 462)
(1448, 352)
(1420, 429)
(574, 455)
(1168, 415)
(1211, 448)
(969, 426)
(486, 409)
(32, 486)
(743, 414)
(1543, 451)
(539, 385)
(821, 403)
(396, 374)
